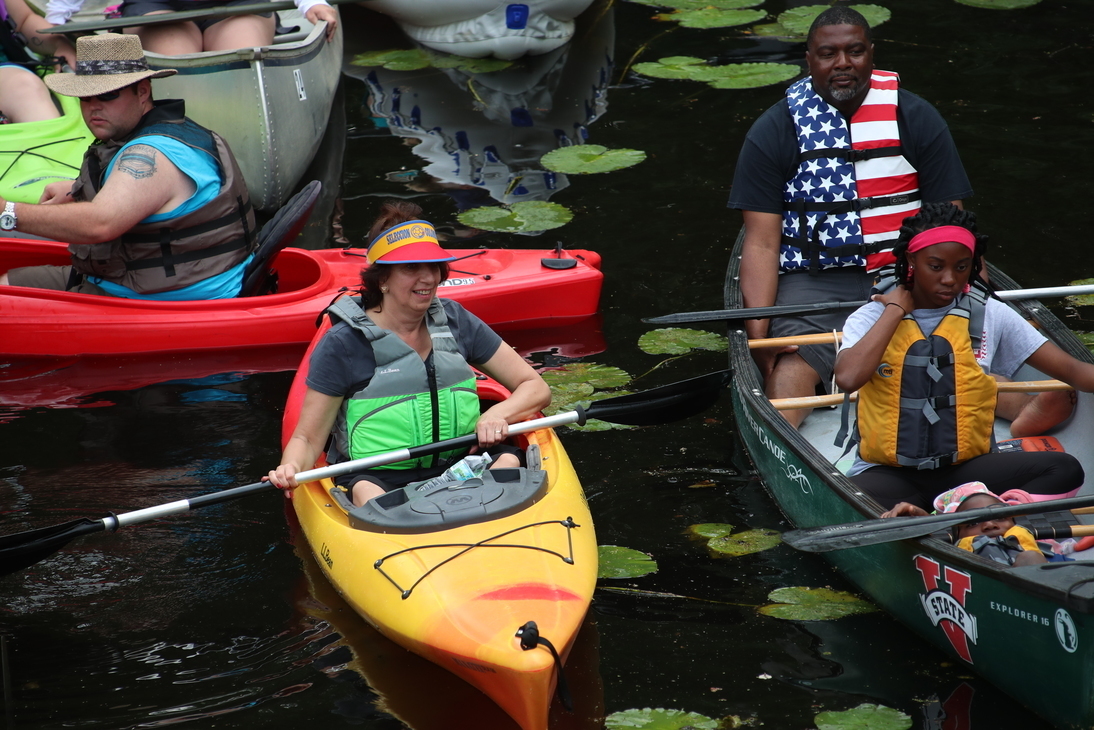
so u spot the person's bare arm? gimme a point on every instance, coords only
(144, 182)
(309, 438)
(856, 365)
(530, 394)
(1054, 362)
(760, 279)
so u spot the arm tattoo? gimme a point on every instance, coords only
(138, 161)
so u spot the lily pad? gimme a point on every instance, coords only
(864, 717)
(565, 395)
(583, 159)
(745, 543)
(797, 20)
(697, 4)
(418, 58)
(623, 562)
(558, 405)
(771, 30)
(814, 604)
(999, 4)
(598, 376)
(707, 530)
(658, 719)
(729, 76)
(1080, 300)
(1087, 338)
(679, 341)
(524, 217)
(713, 17)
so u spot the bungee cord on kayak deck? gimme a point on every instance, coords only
(31, 151)
(568, 523)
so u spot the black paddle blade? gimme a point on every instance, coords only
(731, 315)
(24, 549)
(662, 405)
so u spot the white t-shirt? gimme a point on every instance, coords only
(1006, 343)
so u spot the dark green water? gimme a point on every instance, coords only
(207, 618)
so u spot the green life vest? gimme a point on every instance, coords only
(408, 402)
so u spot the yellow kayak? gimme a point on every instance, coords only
(456, 574)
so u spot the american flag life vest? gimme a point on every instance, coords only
(853, 187)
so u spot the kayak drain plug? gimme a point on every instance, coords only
(530, 639)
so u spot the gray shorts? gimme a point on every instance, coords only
(58, 278)
(848, 284)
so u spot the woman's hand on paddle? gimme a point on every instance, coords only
(905, 509)
(899, 296)
(491, 430)
(283, 477)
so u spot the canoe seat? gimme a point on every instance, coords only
(279, 232)
(497, 493)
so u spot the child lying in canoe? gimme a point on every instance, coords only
(1001, 539)
(922, 355)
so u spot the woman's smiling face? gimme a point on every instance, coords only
(412, 286)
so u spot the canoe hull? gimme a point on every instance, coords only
(496, 287)
(994, 620)
(271, 104)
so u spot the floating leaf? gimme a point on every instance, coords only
(697, 4)
(598, 376)
(730, 76)
(745, 543)
(623, 562)
(797, 20)
(1080, 300)
(565, 395)
(864, 717)
(814, 604)
(679, 341)
(411, 60)
(999, 4)
(418, 58)
(583, 159)
(1087, 338)
(707, 530)
(658, 719)
(713, 17)
(526, 216)
(771, 30)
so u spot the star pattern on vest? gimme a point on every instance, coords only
(819, 126)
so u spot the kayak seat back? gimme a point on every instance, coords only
(497, 493)
(281, 230)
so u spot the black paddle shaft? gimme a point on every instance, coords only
(729, 315)
(872, 532)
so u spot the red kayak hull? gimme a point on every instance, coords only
(503, 287)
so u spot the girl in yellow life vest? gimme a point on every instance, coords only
(921, 356)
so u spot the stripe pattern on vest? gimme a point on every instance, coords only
(888, 179)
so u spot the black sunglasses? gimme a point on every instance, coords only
(109, 96)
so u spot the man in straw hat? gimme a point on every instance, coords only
(160, 209)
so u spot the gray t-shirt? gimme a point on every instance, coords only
(1007, 341)
(343, 362)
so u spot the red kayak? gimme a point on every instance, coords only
(503, 287)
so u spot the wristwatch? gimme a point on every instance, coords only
(8, 220)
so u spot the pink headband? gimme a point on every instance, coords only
(942, 234)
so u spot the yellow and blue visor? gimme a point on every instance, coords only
(413, 242)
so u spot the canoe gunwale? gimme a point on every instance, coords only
(748, 388)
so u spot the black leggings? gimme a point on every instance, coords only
(1037, 472)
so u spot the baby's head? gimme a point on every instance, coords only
(974, 495)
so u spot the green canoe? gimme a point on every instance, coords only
(1028, 630)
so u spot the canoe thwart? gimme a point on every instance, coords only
(835, 399)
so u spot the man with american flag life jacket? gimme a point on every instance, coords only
(824, 179)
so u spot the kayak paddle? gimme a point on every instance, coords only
(657, 405)
(793, 310)
(872, 532)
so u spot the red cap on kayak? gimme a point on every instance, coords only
(413, 242)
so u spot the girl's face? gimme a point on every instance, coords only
(939, 273)
(991, 528)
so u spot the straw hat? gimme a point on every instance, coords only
(105, 63)
(413, 242)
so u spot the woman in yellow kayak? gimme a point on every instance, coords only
(921, 356)
(393, 371)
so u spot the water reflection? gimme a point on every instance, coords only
(480, 135)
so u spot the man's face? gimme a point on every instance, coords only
(113, 117)
(840, 61)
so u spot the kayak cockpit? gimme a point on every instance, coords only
(496, 493)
